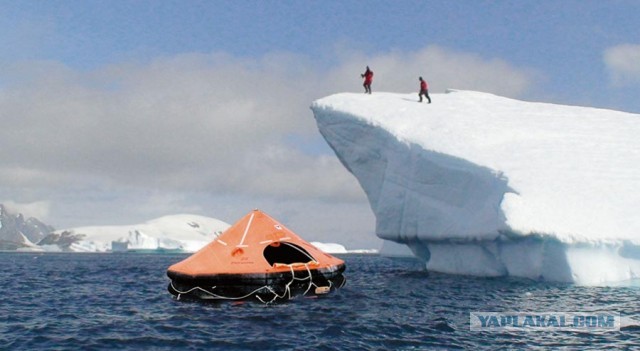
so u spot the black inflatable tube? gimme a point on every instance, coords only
(265, 286)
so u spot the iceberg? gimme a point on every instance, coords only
(335, 248)
(485, 185)
(330, 248)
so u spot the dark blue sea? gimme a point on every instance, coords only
(120, 302)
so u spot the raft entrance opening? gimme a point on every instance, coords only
(286, 253)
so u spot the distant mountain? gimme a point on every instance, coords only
(16, 232)
(174, 233)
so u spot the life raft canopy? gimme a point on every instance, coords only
(256, 257)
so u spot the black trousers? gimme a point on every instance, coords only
(425, 93)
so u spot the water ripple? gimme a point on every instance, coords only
(106, 302)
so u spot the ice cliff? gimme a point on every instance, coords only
(485, 185)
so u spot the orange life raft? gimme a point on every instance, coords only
(259, 258)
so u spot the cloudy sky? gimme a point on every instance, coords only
(117, 112)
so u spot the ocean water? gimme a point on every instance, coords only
(120, 302)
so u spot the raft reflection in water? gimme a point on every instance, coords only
(256, 258)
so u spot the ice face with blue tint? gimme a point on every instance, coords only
(480, 184)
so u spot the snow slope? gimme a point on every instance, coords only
(183, 232)
(480, 184)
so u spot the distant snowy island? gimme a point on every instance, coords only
(174, 233)
(484, 185)
(181, 233)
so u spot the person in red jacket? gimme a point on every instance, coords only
(368, 78)
(424, 90)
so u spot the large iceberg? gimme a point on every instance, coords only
(485, 185)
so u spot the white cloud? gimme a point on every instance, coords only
(443, 69)
(202, 123)
(623, 64)
(38, 209)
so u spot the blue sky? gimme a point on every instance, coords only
(565, 40)
(126, 100)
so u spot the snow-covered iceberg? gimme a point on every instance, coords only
(485, 185)
(330, 248)
(335, 248)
